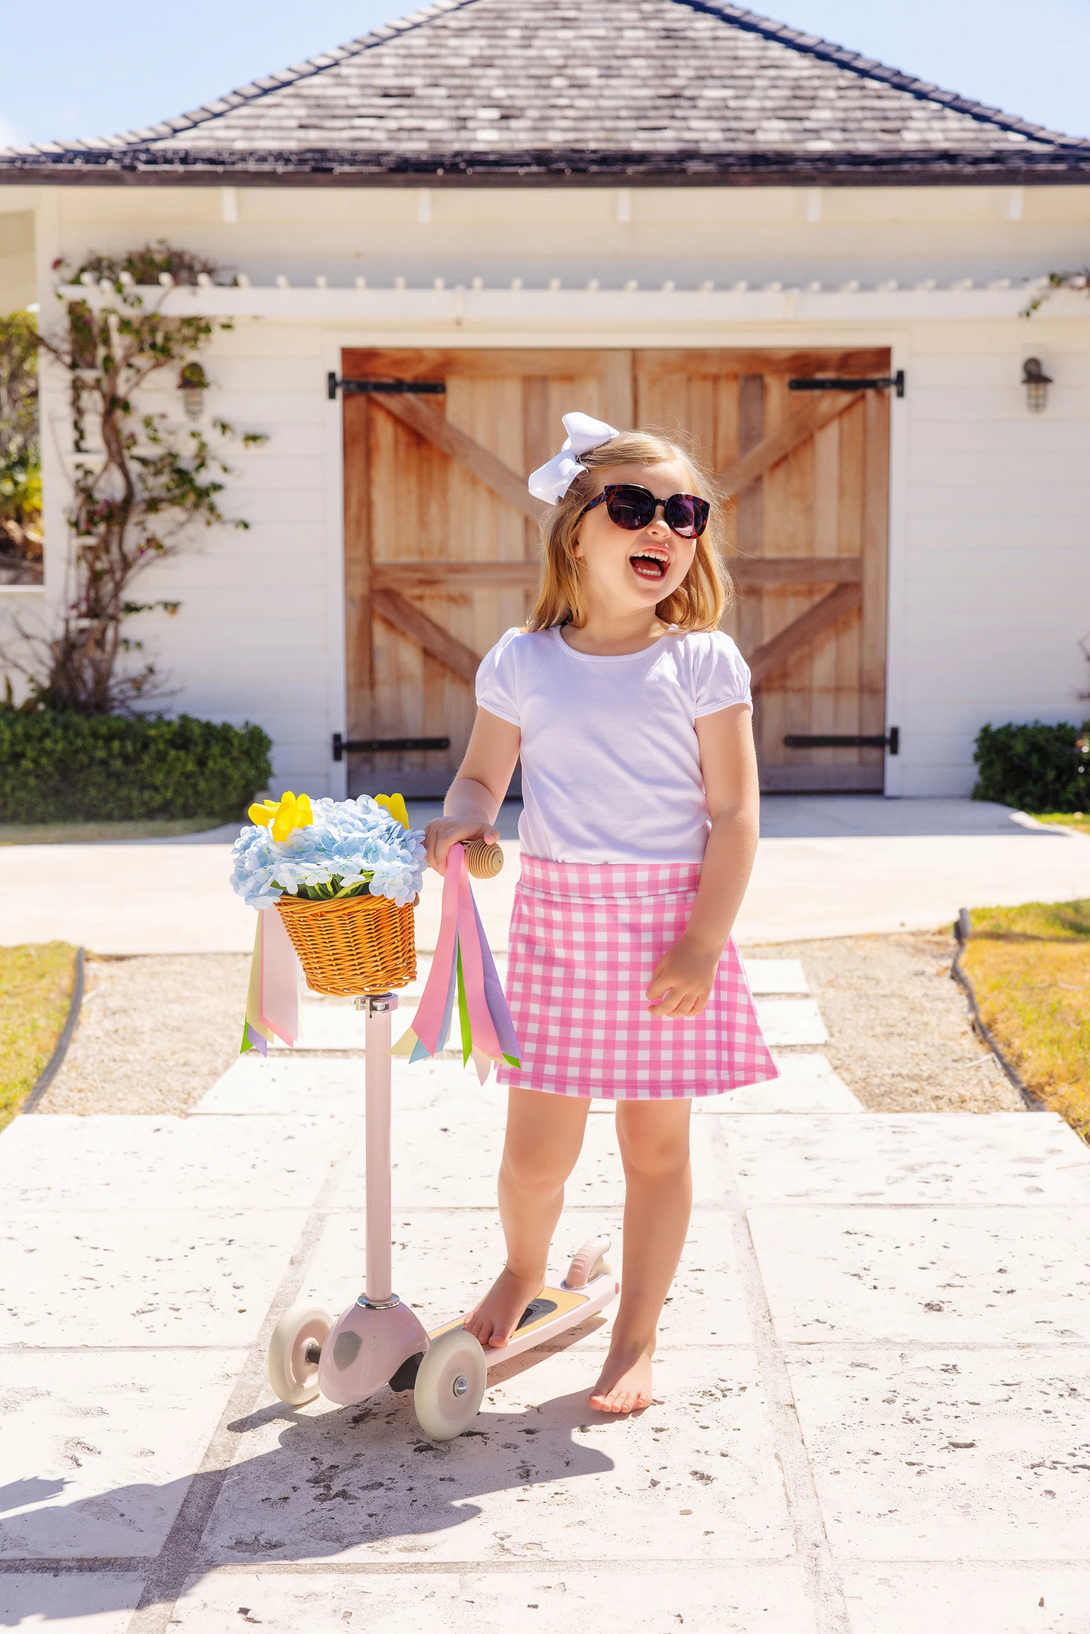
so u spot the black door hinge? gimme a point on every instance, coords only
(379, 746)
(827, 740)
(881, 382)
(383, 388)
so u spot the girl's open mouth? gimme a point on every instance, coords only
(650, 564)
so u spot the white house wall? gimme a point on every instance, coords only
(990, 573)
(996, 565)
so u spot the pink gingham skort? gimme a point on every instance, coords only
(585, 940)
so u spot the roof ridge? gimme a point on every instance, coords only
(754, 23)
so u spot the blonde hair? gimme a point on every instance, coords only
(699, 601)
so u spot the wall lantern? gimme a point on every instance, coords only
(1036, 382)
(193, 383)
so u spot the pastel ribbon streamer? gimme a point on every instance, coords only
(272, 999)
(463, 974)
(552, 480)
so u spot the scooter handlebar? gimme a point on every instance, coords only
(483, 861)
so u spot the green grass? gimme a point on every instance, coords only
(1070, 819)
(151, 828)
(1030, 966)
(35, 991)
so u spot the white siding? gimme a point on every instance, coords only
(252, 639)
(996, 587)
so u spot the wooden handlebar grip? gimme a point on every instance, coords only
(483, 861)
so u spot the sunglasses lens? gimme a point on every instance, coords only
(630, 507)
(686, 515)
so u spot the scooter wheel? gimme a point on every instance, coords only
(450, 1385)
(589, 1262)
(293, 1352)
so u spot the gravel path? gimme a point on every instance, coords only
(898, 1027)
(156, 1032)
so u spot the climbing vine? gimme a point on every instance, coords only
(140, 482)
(1080, 279)
(20, 467)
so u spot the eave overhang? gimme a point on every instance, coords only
(153, 167)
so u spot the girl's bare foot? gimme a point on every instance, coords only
(624, 1384)
(492, 1322)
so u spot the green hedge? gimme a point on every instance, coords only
(64, 767)
(1034, 767)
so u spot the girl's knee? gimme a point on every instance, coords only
(534, 1172)
(655, 1153)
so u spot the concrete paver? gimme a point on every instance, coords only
(969, 1158)
(333, 1086)
(790, 1021)
(142, 1277)
(776, 976)
(102, 1603)
(122, 1163)
(644, 1598)
(1044, 1598)
(949, 1454)
(109, 1444)
(938, 1275)
(807, 1085)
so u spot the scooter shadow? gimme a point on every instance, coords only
(365, 1478)
(360, 1481)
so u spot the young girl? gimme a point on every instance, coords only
(631, 713)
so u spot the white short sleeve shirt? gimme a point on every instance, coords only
(610, 758)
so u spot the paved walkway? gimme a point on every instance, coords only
(886, 1430)
(838, 866)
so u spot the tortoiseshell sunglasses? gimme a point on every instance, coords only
(633, 508)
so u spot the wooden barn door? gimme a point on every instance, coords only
(809, 472)
(441, 538)
(441, 535)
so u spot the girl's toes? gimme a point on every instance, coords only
(479, 1327)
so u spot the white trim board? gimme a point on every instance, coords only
(602, 308)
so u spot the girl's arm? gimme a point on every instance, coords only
(682, 983)
(477, 792)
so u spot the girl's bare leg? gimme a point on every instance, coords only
(544, 1138)
(654, 1142)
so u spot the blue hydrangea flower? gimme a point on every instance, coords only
(351, 846)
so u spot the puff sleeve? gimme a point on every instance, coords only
(497, 679)
(722, 676)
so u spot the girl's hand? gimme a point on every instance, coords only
(444, 832)
(683, 980)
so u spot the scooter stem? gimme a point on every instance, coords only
(377, 1134)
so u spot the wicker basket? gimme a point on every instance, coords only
(361, 944)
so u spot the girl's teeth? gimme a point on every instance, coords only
(649, 567)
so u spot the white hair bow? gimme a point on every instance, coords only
(552, 480)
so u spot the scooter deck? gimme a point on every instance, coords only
(566, 1308)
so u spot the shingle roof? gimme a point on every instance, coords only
(680, 90)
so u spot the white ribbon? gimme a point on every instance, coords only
(552, 480)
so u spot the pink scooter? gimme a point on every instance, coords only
(378, 1340)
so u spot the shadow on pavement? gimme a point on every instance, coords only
(343, 1480)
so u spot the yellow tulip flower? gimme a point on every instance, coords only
(280, 817)
(395, 805)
